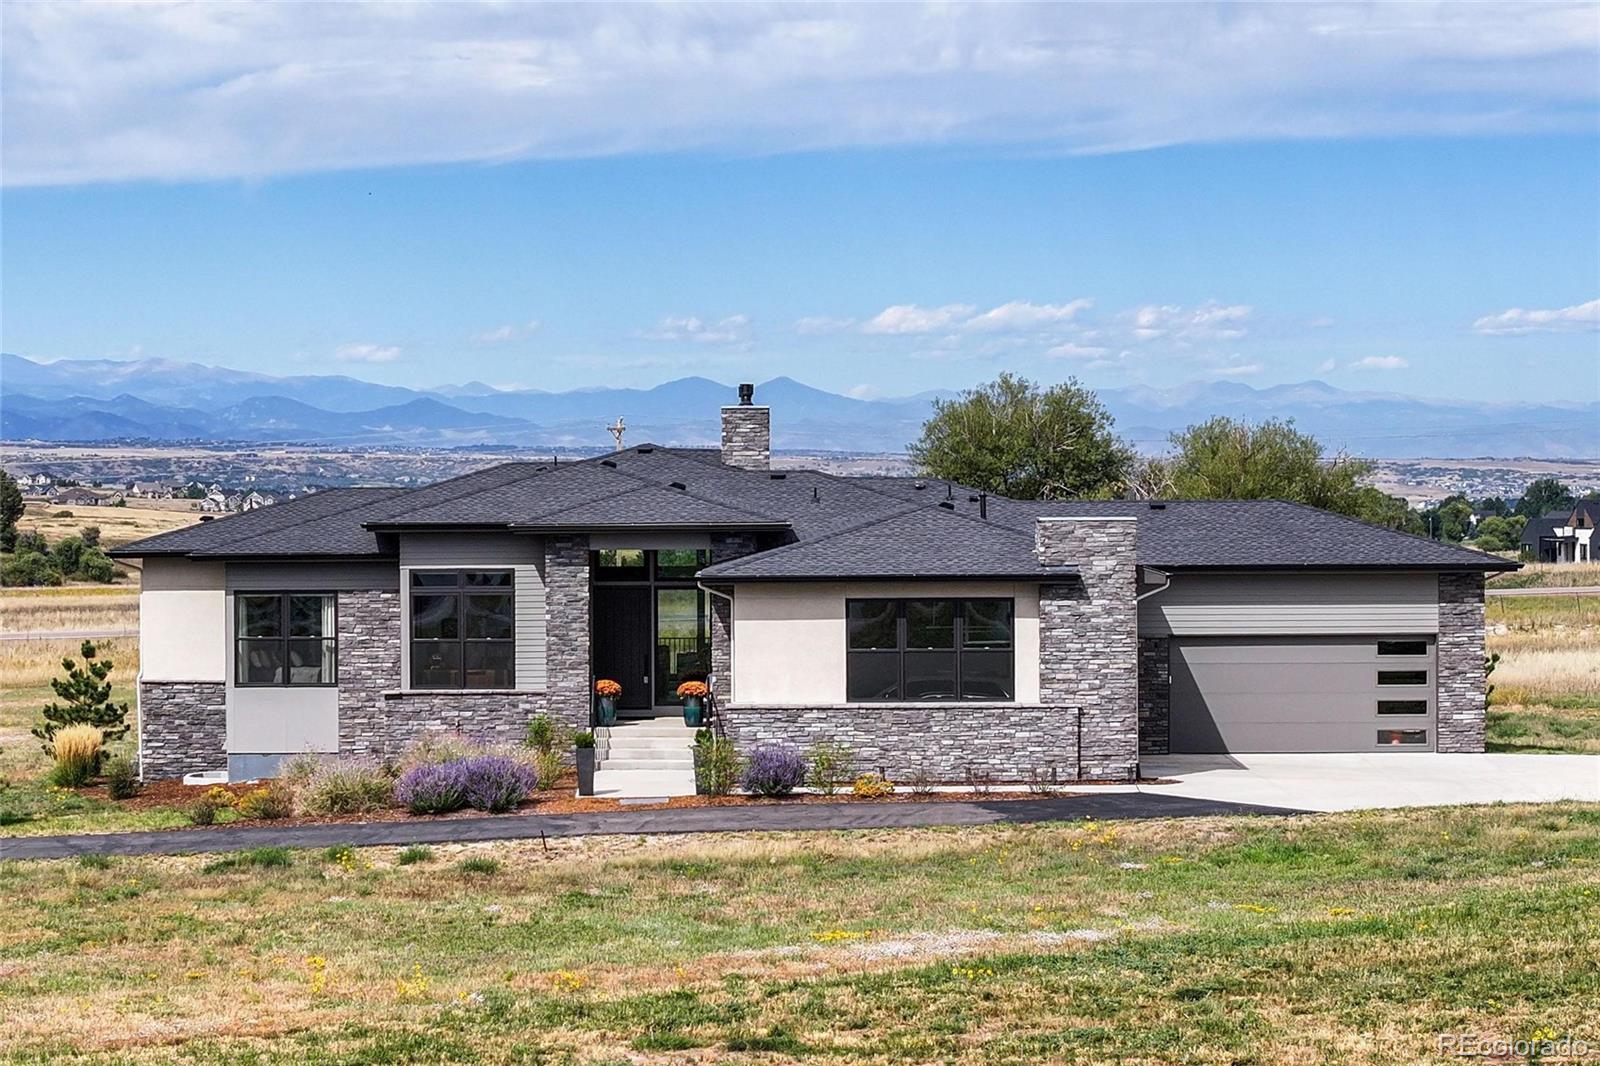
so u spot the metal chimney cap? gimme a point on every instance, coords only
(747, 394)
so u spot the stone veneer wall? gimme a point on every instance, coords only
(724, 546)
(1461, 683)
(569, 677)
(941, 742)
(1155, 695)
(747, 436)
(1089, 640)
(183, 728)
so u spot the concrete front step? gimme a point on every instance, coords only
(648, 754)
(684, 763)
(648, 740)
(650, 727)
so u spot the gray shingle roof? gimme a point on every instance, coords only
(840, 527)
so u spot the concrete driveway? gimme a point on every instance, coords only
(1347, 782)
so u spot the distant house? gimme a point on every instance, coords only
(256, 499)
(78, 496)
(1564, 536)
(215, 500)
(150, 490)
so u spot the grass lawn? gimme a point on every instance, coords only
(1546, 694)
(1336, 938)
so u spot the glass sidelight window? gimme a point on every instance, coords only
(683, 640)
(284, 638)
(929, 650)
(463, 629)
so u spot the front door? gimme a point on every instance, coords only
(622, 642)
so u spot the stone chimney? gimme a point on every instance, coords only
(747, 432)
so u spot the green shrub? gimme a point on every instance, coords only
(68, 553)
(122, 778)
(414, 854)
(29, 568)
(270, 802)
(543, 734)
(347, 787)
(202, 812)
(96, 565)
(716, 764)
(260, 858)
(583, 740)
(95, 861)
(31, 540)
(344, 854)
(830, 767)
(478, 864)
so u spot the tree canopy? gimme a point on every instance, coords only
(1014, 438)
(10, 511)
(1543, 495)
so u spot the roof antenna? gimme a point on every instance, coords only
(816, 494)
(983, 505)
(617, 429)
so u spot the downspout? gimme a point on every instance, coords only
(1166, 582)
(708, 590)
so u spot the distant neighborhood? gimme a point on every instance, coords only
(211, 498)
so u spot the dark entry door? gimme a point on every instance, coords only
(622, 642)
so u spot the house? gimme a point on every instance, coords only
(215, 501)
(78, 496)
(154, 490)
(254, 499)
(937, 631)
(1564, 536)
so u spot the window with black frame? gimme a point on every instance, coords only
(463, 629)
(929, 650)
(285, 638)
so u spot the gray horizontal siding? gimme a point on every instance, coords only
(531, 637)
(1293, 604)
(294, 575)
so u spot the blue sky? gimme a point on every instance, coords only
(1343, 226)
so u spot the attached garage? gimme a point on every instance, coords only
(1284, 694)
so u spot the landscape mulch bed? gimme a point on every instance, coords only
(558, 800)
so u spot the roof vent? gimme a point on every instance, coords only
(644, 449)
(1158, 507)
(778, 477)
(973, 498)
(680, 486)
(816, 494)
(612, 463)
(919, 485)
(747, 394)
(947, 505)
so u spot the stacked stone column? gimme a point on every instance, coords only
(1089, 640)
(1461, 700)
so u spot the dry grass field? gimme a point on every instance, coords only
(1549, 576)
(1332, 939)
(118, 525)
(70, 607)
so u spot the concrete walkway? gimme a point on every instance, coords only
(762, 817)
(1348, 782)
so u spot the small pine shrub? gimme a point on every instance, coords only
(871, 786)
(122, 778)
(542, 733)
(478, 864)
(773, 770)
(77, 755)
(347, 787)
(414, 854)
(83, 697)
(830, 767)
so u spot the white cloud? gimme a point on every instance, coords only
(506, 333)
(1327, 365)
(1209, 322)
(735, 329)
(1236, 370)
(909, 318)
(863, 392)
(813, 325)
(1071, 350)
(1579, 318)
(1021, 315)
(1380, 362)
(180, 92)
(366, 353)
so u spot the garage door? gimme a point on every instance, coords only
(1258, 694)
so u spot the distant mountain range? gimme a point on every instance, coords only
(163, 400)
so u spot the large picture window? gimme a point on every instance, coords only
(932, 649)
(284, 638)
(463, 629)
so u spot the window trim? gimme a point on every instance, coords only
(284, 639)
(460, 592)
(958, 649)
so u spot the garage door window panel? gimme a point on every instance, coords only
(1402, 677)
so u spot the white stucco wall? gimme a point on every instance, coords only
(183, 621)
(789, 638)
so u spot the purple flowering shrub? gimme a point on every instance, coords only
(773, 770)
(497, 782)
(434, 788)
